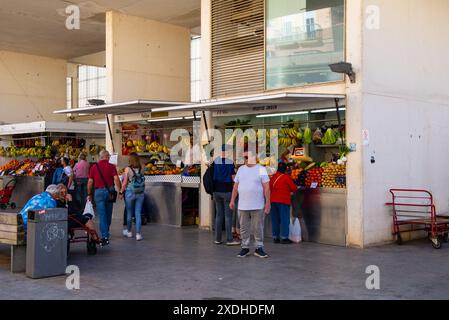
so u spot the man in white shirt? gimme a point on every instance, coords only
(252, 185)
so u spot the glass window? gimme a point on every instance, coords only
(195, 70)
(303, 38)
(69, 92)
(91, 84)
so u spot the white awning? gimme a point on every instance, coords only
(129, 107)
(45, 126)
(280, 99)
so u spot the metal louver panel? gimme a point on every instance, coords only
(237, 47)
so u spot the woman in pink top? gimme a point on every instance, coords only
(81, 171)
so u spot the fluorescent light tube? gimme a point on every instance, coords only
(328, 110)
(164, 119)
(281, 114)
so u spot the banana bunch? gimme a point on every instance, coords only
(290, 136)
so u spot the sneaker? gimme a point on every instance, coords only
(218, 242)
(104, 242)
(127, 234)
(260, 253)
(233, 243)
(243, 253)
(276, 240)
(138, 237)
(286, 241)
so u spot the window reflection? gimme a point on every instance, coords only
(303, 38)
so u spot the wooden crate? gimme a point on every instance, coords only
(11, 229)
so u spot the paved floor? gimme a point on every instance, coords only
(174, 263)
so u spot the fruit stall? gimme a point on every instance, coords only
(312, 143)
(28, 151)
(172, 189)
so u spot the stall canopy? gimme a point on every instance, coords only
(129, 107)
(45, 126)
(277, 101)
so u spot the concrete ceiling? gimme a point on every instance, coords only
(38, 26)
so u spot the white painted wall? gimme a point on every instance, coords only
(405, 107)
(31, 87)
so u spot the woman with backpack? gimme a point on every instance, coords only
(133, 188)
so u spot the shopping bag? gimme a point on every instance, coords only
(89, 209)
(295, 231)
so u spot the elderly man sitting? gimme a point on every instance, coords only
(44, 200)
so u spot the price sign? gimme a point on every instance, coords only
(299, 152)
(314, 185)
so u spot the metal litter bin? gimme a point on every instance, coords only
(46, 253)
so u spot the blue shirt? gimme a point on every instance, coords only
(39, 201)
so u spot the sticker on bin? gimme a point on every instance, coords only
(314, 185)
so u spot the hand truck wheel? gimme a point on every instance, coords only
(436, 243)
(91, 247)
(13, 205)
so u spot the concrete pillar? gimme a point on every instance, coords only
(206, 209)
(145, 59)
(354, 124)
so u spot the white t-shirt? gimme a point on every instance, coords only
(250, 180)
(69, 172)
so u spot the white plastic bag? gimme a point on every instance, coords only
(89, 209)
(295, 231)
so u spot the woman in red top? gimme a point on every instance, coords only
(281, 186)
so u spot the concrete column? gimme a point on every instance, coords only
(206, 209)
(145, 59)
(354, 123)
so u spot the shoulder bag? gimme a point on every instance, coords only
(112, 196)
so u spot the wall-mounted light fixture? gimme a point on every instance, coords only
(344, 67)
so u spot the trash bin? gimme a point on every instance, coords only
(46, 253)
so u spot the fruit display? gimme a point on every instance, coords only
(314, 175)
(307, 136)
(334, 176)
(290, 136)
(70, 148)
(141, 146)
(26, 167)
(330, 137)
(154, 170)
(295, 174)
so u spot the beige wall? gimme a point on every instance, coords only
(31, 87)
(146, 59)
(405, 107)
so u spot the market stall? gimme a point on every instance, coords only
(172, 189)
(28, 151)
(311, 142)
(311, 139)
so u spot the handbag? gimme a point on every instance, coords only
(112, 195)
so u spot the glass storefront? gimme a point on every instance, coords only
(302, 38)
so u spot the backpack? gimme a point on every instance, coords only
(208, 180)
(137, 183)
(60, 177)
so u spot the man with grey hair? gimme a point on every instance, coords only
(102, 177)
(44, 200)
